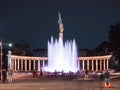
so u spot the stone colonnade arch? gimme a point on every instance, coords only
(94, 63)
(25, 63)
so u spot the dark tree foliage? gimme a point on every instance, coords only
(104, 48)
(21, 48)
(114, 39)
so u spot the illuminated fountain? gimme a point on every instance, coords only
(61, 56)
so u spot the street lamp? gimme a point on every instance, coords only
(1, 60)
(1, 44)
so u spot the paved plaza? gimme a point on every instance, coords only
(40, 84)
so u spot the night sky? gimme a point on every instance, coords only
(35, 21)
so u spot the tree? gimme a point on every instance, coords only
(21, 48)
(103, 48)
(114, 39)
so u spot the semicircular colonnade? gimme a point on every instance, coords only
(27, 63)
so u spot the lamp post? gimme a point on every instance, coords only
(1, 44)
(1, 59)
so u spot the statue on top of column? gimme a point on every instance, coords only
(61, 28)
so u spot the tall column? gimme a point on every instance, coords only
(104, 64)
(87, 64)
(29, 65)
(100, 64)
(78, 64)
(12, 63)
(21, 65)
(34, 65)
(15, 64)
(96, 65)
(25, 65)
(83, 65)
(92, 65)
(107, 64)
(38, 65)
(9, 60)
(18, 65)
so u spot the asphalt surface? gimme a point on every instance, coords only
(58, 84)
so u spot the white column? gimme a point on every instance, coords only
(15, 64)
(100, 64)
(18, 65)
(25, 65)
(38, 65)
(96, 65)
(92, 65)
(12, 64)
(107, 64)
(83, 65)
(29, 65)
(104, 64)
(21, 65)
(9, 60)
(34, 65)
(88, 65)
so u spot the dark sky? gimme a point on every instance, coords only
(35, 21)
